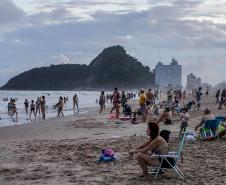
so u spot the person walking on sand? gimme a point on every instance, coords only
(75, 102)
(60, 106)
(102, 101)
(43, 107)
(32, 109)
(26, 104)
(198, 98)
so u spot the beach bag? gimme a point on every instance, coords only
(107, 155)
(165, 135)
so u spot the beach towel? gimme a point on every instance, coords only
(124, 118)
(190, 136)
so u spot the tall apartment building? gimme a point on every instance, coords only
(193, 82)
(168, 75)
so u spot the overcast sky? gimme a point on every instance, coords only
(35, 33)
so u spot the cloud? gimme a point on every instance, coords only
(9, 12)
(160, 31)
(62, 59)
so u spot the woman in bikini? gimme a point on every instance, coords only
(156, 144)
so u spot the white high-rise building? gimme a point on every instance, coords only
(168, 75)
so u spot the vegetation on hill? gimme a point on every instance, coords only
(113, 67)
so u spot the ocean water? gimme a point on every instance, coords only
(86, 99)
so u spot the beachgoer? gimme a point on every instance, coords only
(75, 102)
(206, 116)
(26, 104)
(198, 98)
(156, 144)
(38, 106)
(123, 99)
(150, 99)
(10, 107)
(190, 104)
(43, 107)
(218, 95)
(142, 101)
(60, 106)
(13, 108)
(32, 107)
(223, 99)
(166, 116)
(207, 91)
(102, 101)
(184, 116)
(116, 101)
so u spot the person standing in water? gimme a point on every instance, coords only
(32, 107)
(75, 102)
(60, 106)
(13, 108)
(38, 106)
(43, 107)
(26, 104)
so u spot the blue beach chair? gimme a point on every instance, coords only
(210, 129)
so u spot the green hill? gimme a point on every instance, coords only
(113, 67)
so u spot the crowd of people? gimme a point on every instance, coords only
(178, 102)
(34, 108)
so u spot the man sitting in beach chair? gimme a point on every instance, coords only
(210, 126)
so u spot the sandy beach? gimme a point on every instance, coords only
(65, 150)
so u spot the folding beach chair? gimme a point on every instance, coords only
(221, 118)
(170, 160)
(210, 129)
